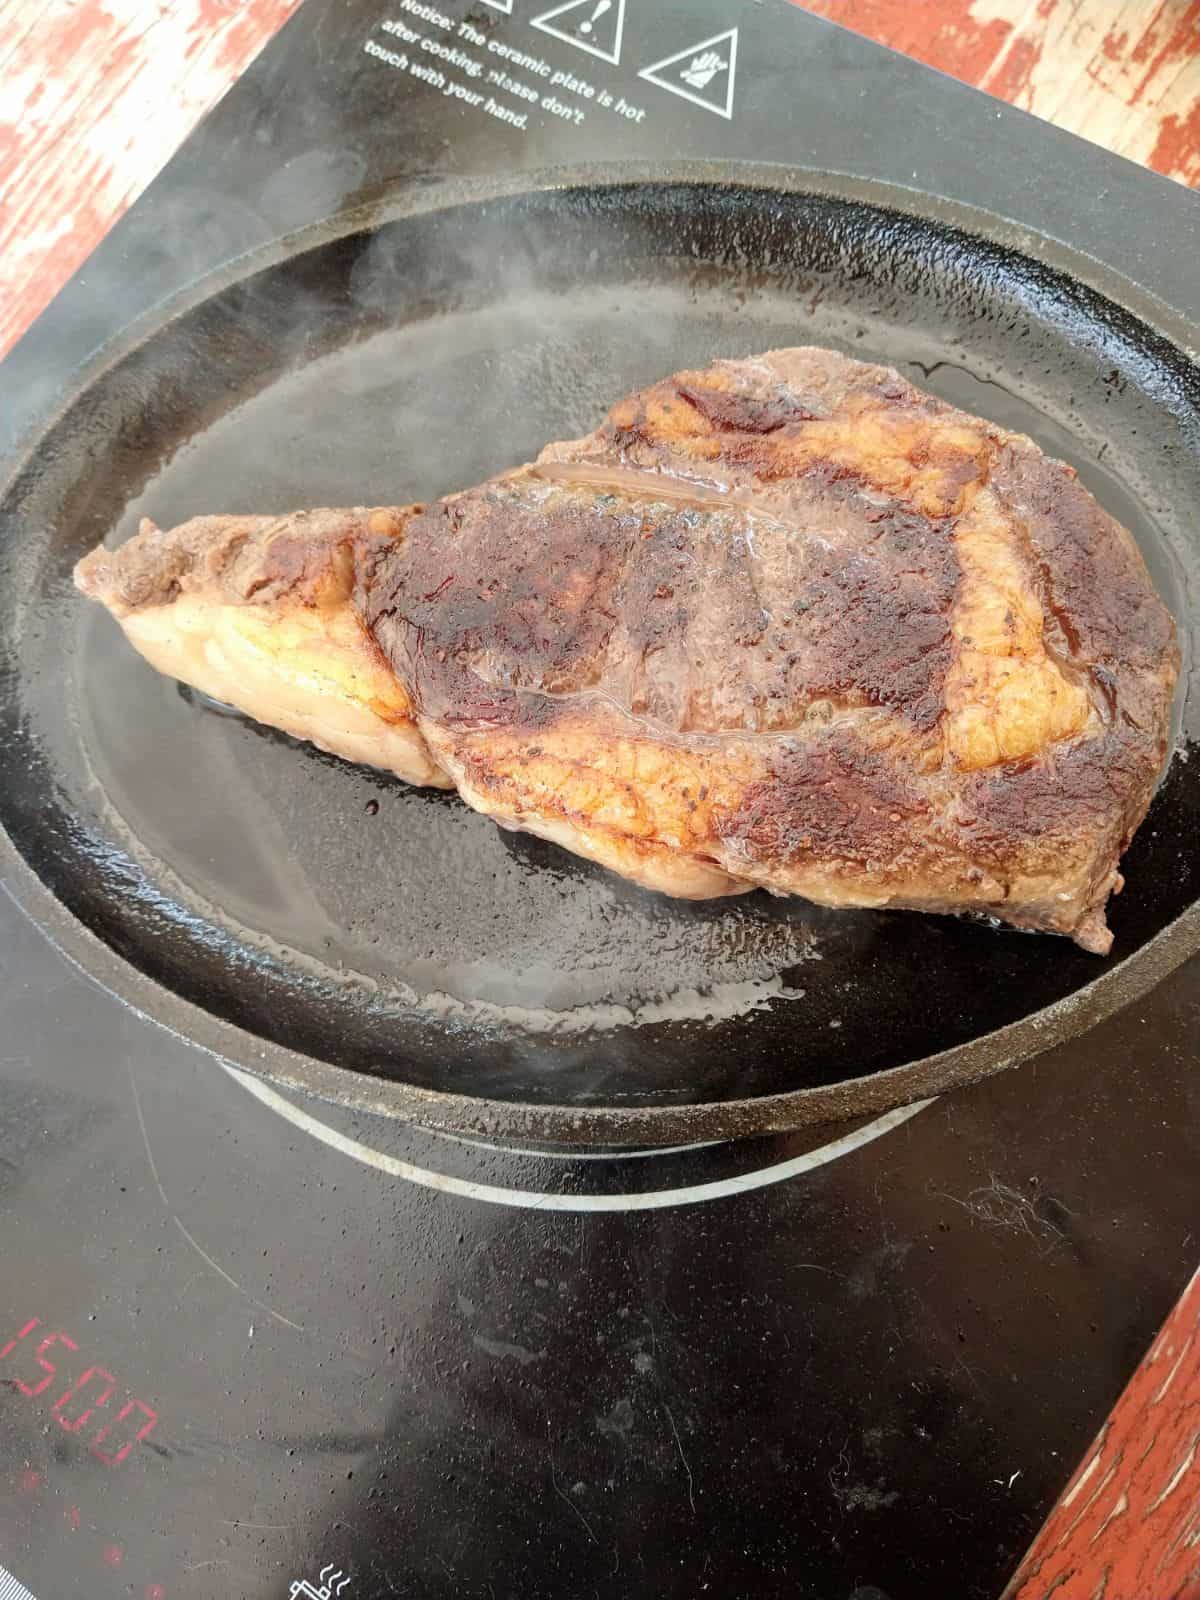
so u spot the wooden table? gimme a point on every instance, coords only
(95, 96)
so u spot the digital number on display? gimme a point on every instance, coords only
(38, 1364)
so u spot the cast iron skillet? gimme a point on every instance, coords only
(383, 946)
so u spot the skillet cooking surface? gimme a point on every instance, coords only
(392, 932)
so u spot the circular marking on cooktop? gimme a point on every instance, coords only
(547, 1200)
(573, 1155)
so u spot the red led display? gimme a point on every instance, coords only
(108, 1384)
(84, 1402)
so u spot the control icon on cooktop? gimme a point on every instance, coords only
(333, 1581)
(596, 26)
(703, 72)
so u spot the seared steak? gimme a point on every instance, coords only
(785, 623)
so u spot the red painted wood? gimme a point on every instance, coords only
(1177, 148)
(1124, 73)
(1128, 1524)
(95, 96)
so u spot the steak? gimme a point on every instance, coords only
(784, 623)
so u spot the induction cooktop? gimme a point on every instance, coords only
(261, 1341)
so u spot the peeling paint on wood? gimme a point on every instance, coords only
(95, 96)
(1123, 73)
(1128, 1524)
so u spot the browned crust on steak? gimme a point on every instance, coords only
(906, 657)
(787, 622)
(256, 612)
(310, 557)
(1106, 615)
(638, 592)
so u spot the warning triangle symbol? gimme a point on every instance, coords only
(592, 25)
(704, 73)
(500, 5)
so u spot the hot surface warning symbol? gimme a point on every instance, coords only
(592, 25)
(704, 73)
